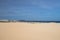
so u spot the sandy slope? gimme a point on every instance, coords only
(29, 31)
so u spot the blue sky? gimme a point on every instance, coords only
(43, 10)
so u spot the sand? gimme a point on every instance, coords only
(29, 31)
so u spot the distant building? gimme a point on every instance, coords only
(3, 20)
(7, 20)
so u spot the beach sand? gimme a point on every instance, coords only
(29, 31)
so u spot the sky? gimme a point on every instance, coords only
(39, 10)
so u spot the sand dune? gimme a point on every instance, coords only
(29, 31)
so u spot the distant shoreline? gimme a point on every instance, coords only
(33, 21)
